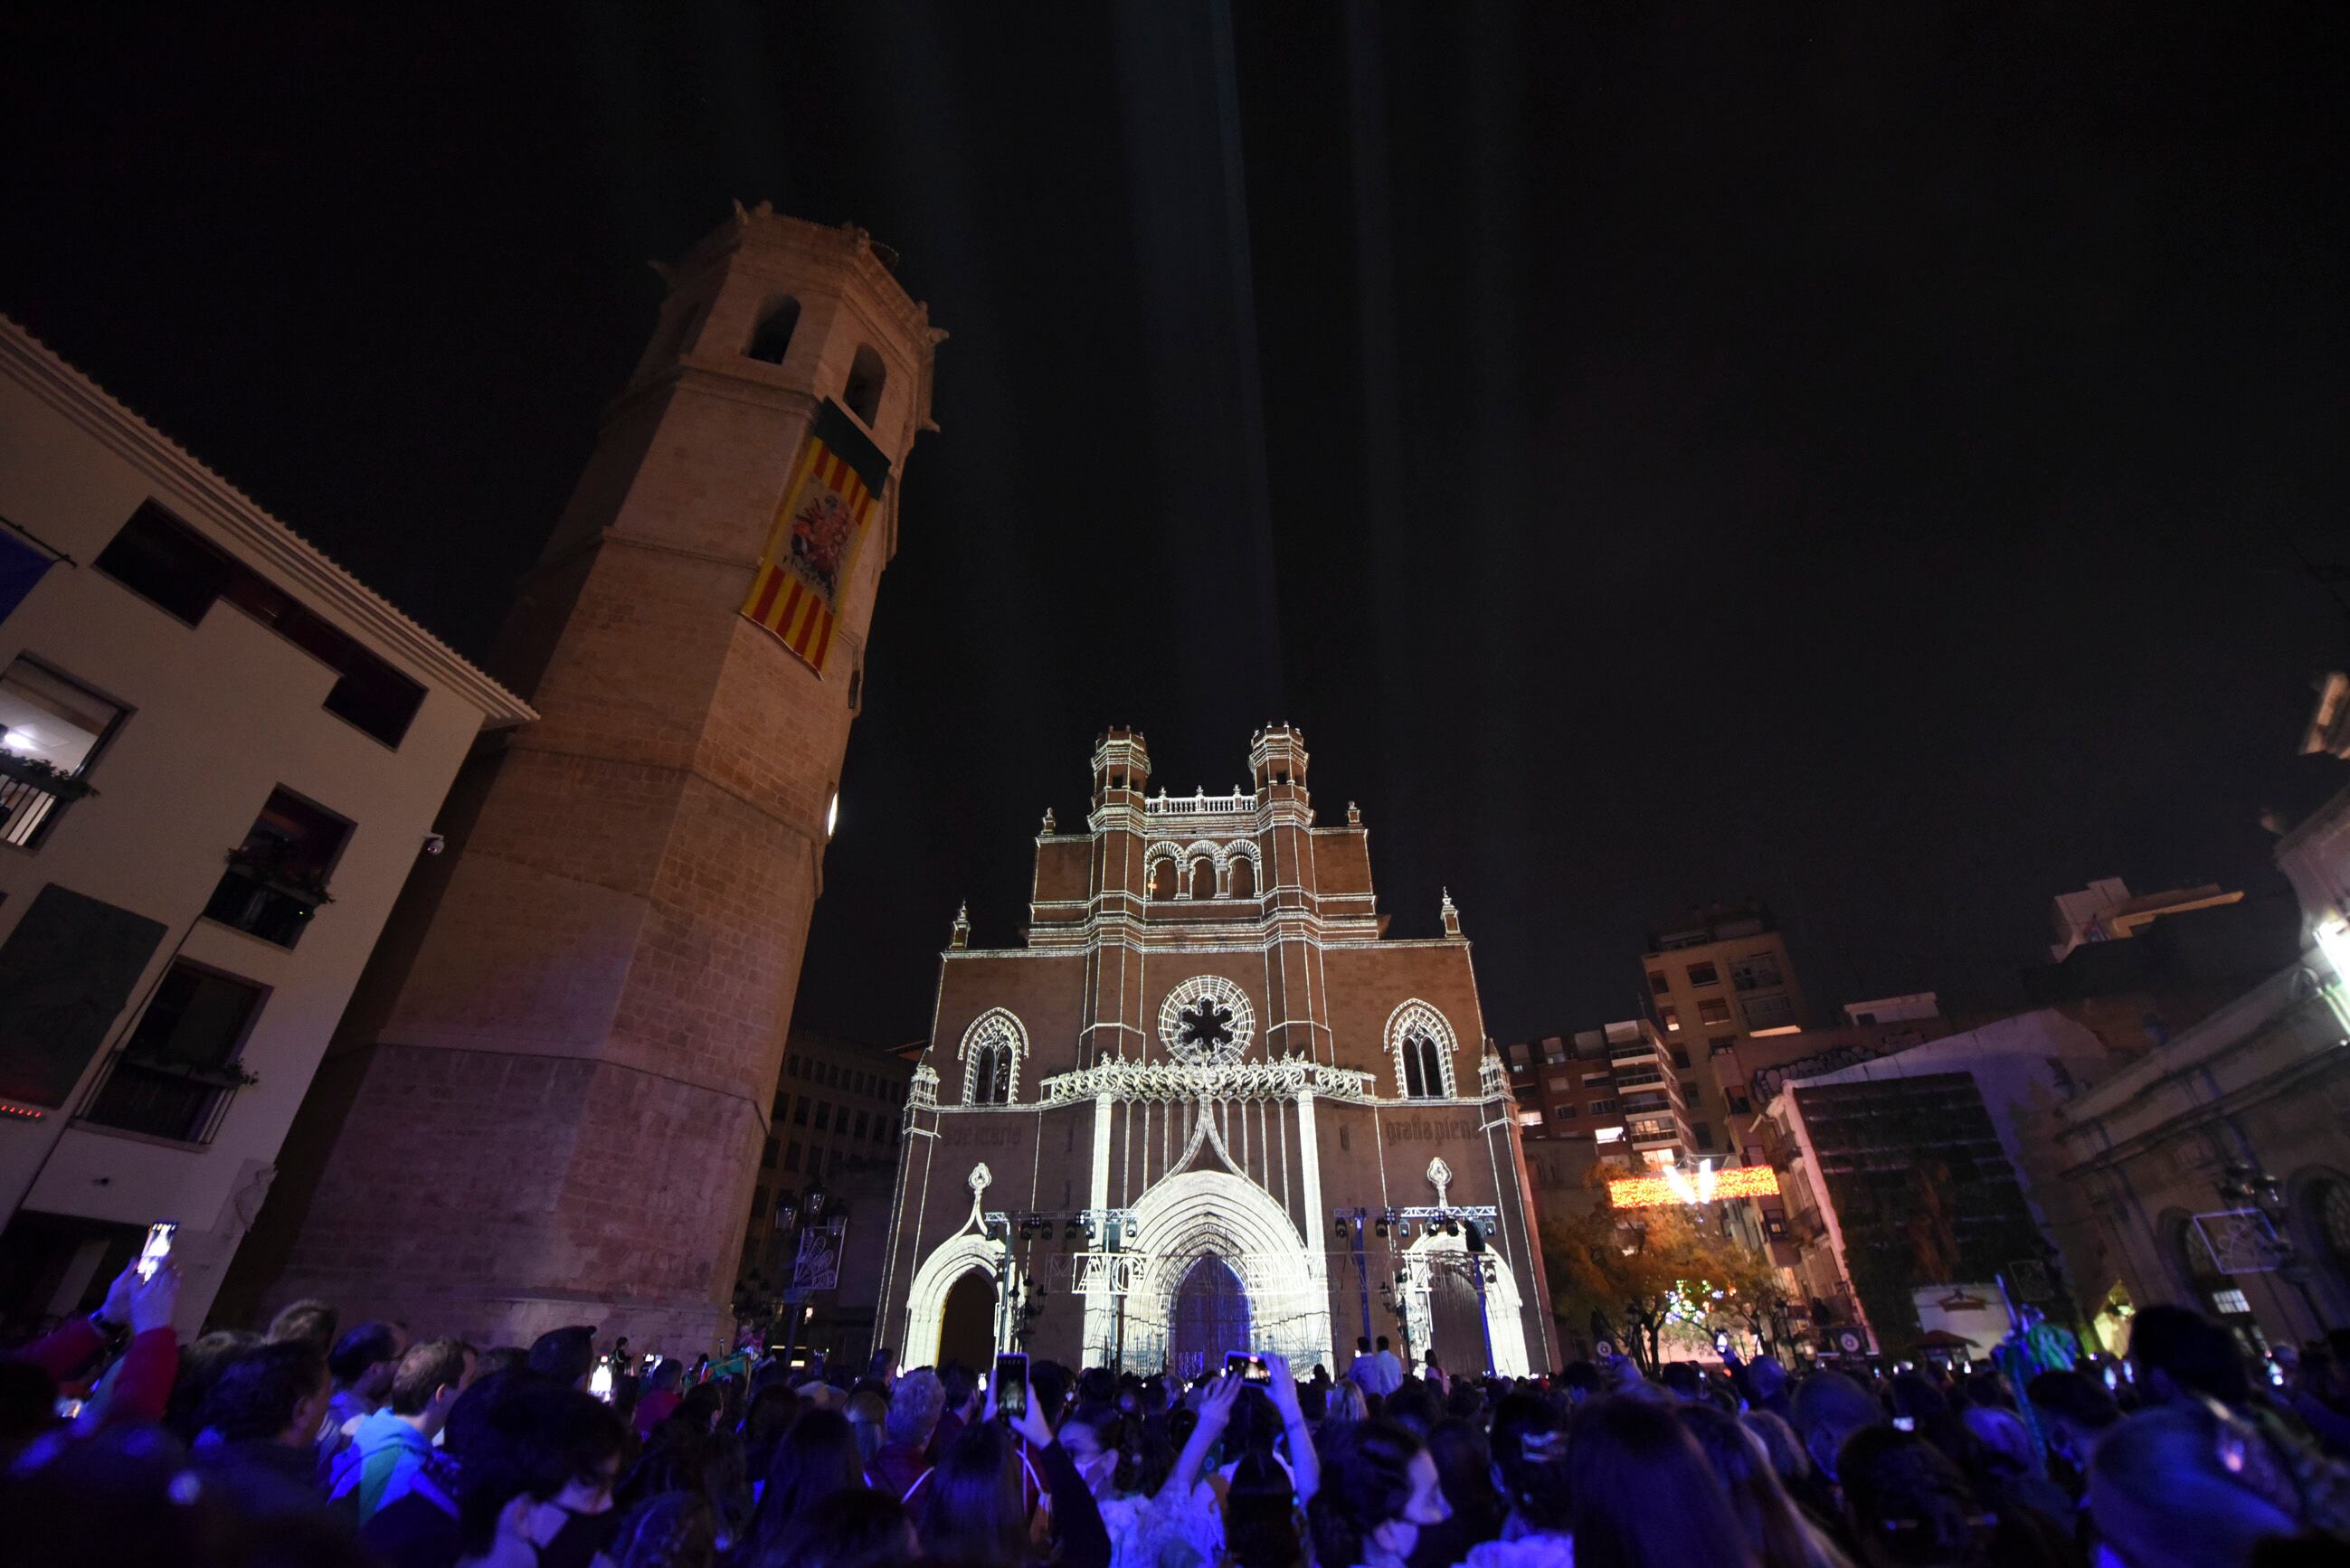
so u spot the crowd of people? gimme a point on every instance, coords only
(317, 1443)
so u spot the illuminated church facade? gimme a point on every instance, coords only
(1207, 1106)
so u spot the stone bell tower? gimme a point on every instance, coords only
(547, 1102)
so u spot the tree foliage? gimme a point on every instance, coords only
(1640, 1272)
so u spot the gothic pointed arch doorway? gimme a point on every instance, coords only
(1211, 1317)
(967, 1321)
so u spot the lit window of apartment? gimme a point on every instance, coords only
(51, 731)
(1713, 1010)
(1671, 1020)
(277, 879)
(1770, 1012)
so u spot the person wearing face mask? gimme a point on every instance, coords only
(538, 1490)
(1378, 1490)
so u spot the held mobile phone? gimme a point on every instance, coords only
(1905, 1423)
(2111, 1381)
(1011, 1386)
(158, 1247)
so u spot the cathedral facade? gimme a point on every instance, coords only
(1208, 1106)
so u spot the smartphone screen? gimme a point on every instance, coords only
(1011, 1387)
(1905, 1423)
(158, 1247)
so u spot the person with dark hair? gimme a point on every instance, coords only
(1640, 1493)
(258, 1422)
(1581, 1381)
(1908, 1505)
(961, 1386)
(390, 1446)
(670, 1529)
(1416, 1404)
(1684, 1380)
(1379, 1490)
(1464, 1468)
(2179, 1353)
(859, 1528)
(975, 1509)
(660, 1397)
(2074, 1411)
(817, 1458)
(773, 1411)
(200, 1365)
(501, 1358)
(361, 1365)
(309, 1320)
(1529, 1448)
(1774, 1528)
(566, 1354)
(536, 1484)
(1826, 1410)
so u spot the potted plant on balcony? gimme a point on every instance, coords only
(46, 777)
(267, 866)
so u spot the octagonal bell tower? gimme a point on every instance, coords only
(547, 1103)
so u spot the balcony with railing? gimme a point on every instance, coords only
(162, 1098)
(31, 794)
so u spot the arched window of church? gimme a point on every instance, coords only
(775, 333)
(863, 391)
(989, 1075)
(1243, 877)
(1162, 878)
(993, 1048)
(1420, 1039)
(1204, 877)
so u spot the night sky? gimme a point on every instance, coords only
(1654, 457)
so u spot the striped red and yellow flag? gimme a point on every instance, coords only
(812, 549)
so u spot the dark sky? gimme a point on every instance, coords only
(1655, 456)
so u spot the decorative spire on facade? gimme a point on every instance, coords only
(1354, 815)
(1049, 827)
(1452, 916)
(960, 938)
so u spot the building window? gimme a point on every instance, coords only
(51, 730)
(758, 1202)
(1770, 1012)
(1705, 1135)
(1243, 877)
(1720, 1043)
(862, 391)
(1658, 983)
(1555, 1055)
(1421, 1042)
(1681, 1056)
(767, 1156)
(1756, 971)
(1204, 877)
(181, 573)
(823, 1115)
(277, 878)
(174, 1076)
(992, 1051)
(1672, 1020)
(861, 1125)
(1162, 878)
(1713, 1010)
(773, 338)
(1423, 1069)
(1740, 1105)
(791, 1155)
(1602, 1107)
(800, 1111)
(1703, 974)
(1595, 1080)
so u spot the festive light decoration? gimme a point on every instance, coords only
(1706, 1185)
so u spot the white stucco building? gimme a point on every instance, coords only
(219, 757)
